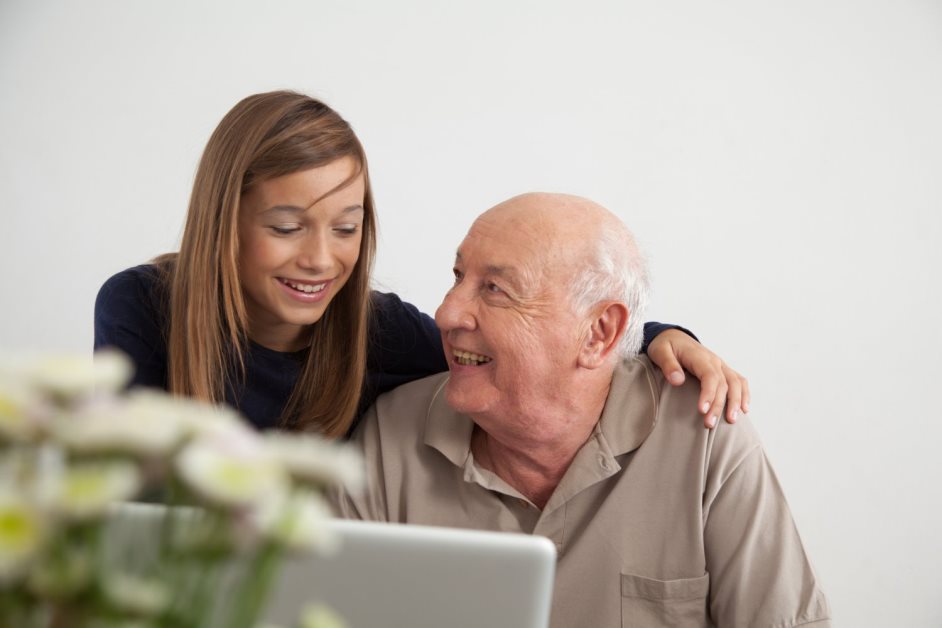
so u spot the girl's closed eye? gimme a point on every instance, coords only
(285, 229)
(347, 229)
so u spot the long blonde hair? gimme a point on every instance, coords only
(265, 136)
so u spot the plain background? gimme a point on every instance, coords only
(780, 162)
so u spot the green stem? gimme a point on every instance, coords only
(255, 587)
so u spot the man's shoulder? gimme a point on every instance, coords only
(399, 418)
(420, 392)
(678, 418)
(414, 399)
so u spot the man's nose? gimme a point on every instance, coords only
(456, 311)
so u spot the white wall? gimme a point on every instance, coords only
(781, 163)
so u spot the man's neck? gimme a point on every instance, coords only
(534, 463)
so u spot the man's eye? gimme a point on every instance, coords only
(492, 287)
(285, 229)
(458, 275)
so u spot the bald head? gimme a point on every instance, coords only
(577, 241)
(561, 222)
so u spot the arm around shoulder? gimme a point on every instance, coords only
(406, 344)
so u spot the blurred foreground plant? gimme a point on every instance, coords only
(74, 554)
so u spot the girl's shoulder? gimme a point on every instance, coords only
(136, 290)
(134, 299)
(145, 277)
(131, 315)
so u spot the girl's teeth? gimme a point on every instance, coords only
(306, 287)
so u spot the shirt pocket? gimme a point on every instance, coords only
(648, 603)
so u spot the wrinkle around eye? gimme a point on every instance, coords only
(498, 297)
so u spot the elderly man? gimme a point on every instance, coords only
(550, 423)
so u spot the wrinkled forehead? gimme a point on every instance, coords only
(532, 243)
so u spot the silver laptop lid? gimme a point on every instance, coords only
(410, 576)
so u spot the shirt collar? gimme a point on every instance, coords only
(447, 430)
(630, 411)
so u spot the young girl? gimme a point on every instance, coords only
(268, 306)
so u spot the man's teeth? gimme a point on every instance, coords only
(304, 287)
(467, 358)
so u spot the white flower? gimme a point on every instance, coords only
(68, 376)
(22, 534)
(316, 461)
(207, 421)
(21, 412)
(319, 616)
(86, 490)
(297, 522)
(148, 424)
(136, 595)
(231, 468)
(113, 370)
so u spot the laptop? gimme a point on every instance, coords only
(388, 575)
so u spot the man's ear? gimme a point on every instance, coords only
(608, 324)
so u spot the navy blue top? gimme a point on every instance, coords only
(404, 345)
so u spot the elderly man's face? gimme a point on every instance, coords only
(509, 327)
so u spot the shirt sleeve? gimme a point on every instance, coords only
(652, 329)
(405, 344)
(760, 575)
(126, 319)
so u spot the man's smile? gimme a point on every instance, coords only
(467, 358)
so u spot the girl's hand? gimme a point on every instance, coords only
(673, 351)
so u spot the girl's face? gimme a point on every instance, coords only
(298, 243)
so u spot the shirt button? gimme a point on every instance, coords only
(603, 462)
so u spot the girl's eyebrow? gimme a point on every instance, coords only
(294, 209)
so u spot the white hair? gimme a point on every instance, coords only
(615, 270)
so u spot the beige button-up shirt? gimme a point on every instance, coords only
(658, 522)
